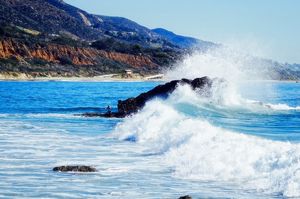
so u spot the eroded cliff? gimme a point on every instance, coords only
(78, 55)
(48, 59)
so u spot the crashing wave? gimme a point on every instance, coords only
(177, 129)
(180, 130)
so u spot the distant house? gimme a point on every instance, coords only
(128, 72)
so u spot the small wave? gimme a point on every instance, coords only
(4, 115)
(38, 115)
(269, 106)
(55, 112)
(282, 107)
(49, 115)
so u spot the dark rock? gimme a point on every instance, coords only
(185, 197)
(132, 105)
(74, 169)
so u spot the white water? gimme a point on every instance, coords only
(234, 65)
(199, 150)
(185, 137)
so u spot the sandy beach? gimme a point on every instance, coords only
(101, 78)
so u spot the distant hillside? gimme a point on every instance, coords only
(50, 37)
(53, 38)
(183, 41)
(286, 71)
(29, 52)
(57, 17)
(43, 16)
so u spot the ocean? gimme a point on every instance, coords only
(243, 141)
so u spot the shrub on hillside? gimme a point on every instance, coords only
(38, 62)
(114, 45)
(65, 61)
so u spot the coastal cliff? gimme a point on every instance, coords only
(77, 55)
(22, 59)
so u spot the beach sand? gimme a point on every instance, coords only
(101, 78)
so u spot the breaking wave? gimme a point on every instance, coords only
(234, 65)
(177, 129)
(186, 129)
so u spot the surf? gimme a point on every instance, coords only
(207, 138)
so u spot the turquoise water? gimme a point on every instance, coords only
(240, 143)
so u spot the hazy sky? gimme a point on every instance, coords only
(269, 28)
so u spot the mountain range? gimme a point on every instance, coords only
(52, 38)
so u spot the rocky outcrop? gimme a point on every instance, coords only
(132, 105)
(185, 197)
(54, 53)
(74, 169)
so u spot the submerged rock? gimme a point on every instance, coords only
(132, 105)
(106, 115)
(77, 168)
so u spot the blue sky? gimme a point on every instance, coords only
(269, 28)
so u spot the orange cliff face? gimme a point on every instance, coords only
(82, 56)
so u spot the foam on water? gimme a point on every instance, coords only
(30, 151)
(235, 65)
(178, 129)
(198, 150)
(282, 107)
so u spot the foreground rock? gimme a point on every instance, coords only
(132, 105)
(74, 169)
(185, 197)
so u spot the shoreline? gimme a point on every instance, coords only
(101, 78)
(108, 78)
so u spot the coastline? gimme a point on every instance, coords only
(106, 78)
(100, 78)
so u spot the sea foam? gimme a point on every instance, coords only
(199, 150)
(178, 128)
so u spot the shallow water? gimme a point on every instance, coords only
(239, 143)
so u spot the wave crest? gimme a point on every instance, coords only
(177, 128)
